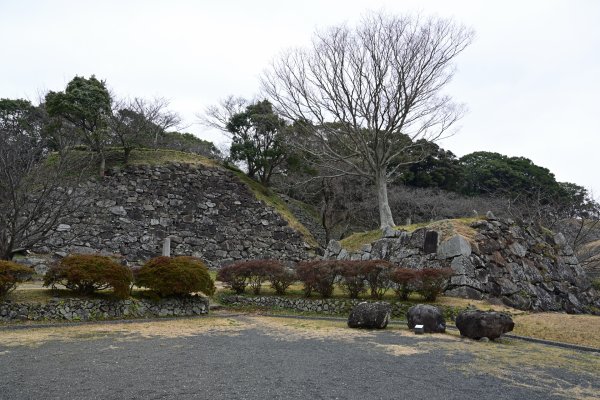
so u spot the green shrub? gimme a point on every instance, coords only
(175, 276)
(432, 281)
(87, 273)
(11, 274)
(596, 284)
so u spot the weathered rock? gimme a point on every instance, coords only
(455, 246)
(370, 315)
(429, 316)
(477, 324)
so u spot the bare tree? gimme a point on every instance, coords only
(34, 194)
(366, 95)
(218, 116)
(139, 122)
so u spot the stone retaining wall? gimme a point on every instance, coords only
(325, 306)
(206, 211)
(499, 259)
(73, 309)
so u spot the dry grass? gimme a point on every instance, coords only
(121, 332)
(577, 329)
(447, 227)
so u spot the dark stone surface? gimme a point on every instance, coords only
(476, 324)
(370, 315)
(429, 316)
(431, 242)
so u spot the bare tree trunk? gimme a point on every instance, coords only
(385, 213)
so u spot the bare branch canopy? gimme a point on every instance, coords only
(368, 94)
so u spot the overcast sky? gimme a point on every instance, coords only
(531, 79)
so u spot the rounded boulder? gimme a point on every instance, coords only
(477, 324)
(370, 315)
(429, 316)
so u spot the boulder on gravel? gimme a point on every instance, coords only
(429, 316)
(370, 315)
(477, 324)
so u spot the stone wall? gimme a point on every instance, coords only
(325, 306)
(73, 309)
(499, 259)
(208, 212)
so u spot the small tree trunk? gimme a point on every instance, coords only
(385, 213)
(102, 164)
(127, 152)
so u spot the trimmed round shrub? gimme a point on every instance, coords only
(88, 273)
(175, 276)
(432, 281)
(405, 280)
(11, 274)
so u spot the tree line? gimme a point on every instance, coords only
(348, 124)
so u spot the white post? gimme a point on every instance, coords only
(167, 247)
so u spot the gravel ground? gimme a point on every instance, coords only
(266, 359)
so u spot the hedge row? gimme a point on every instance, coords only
(166, 276)
(354, 277)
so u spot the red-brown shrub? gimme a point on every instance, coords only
(319, 275)
(353, 277)
(432, 281)
(175, 276)
(281, 279)
(11, 274)
(254, 273)
(405, 280)
(378, 276)
(87, 273)
(234, 276)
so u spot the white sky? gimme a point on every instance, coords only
(531, 79)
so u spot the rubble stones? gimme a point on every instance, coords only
(74, 309)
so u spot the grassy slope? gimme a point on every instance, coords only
(447, 227)
(271, 199)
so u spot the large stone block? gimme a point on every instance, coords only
(429, 316)
(479, 324)
(370, 315)
(455, 246)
